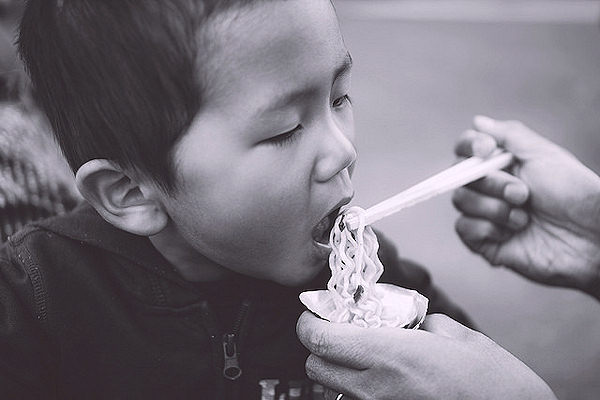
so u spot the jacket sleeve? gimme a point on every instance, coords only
(24, 355)
(410, 275)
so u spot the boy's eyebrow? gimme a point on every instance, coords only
(280, 102)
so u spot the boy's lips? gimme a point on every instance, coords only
(321, 231)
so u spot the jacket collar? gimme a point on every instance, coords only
(85, 225)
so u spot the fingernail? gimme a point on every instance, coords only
(483, 122)
(515, 193)
(518, 218)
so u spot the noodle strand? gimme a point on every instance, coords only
(355, 269)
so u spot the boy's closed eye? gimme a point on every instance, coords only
(286, 137)
(291, 135)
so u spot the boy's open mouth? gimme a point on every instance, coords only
(321, 231)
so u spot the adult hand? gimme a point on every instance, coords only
(543, 221)
(443, 360)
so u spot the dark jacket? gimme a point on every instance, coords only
(88, 311)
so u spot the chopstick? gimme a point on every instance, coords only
(464, 172)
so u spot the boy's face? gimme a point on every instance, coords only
(267, 157)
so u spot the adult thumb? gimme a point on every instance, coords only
(443, 325)
(513, 136)
(342, 344)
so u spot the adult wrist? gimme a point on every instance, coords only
(594, 287)
(596, 281)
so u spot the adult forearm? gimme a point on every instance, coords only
(594, 288)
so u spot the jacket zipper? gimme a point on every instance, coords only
(231, 352)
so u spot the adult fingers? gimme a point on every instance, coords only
(336, 378)
(497, 211)
(514, 136)
(502, 185)
(475, 231)
(342, 344)
(474, 143)
(332, 394)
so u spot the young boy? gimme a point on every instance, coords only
(210, 139)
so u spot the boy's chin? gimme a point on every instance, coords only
(299, 279)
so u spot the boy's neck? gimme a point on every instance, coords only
(190, 264)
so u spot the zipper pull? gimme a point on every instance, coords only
(231, 367)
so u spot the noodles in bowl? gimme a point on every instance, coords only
(353, 294)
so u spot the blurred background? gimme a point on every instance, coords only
(422, 70)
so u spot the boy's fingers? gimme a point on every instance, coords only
(473, 143)
(502, 185)
(339, 343)
(488, 208)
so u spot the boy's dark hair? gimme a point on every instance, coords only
(118, 79)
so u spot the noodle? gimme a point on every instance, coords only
(355, 268)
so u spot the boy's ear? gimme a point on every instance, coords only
(120, 200)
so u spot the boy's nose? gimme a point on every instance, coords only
(336, 153)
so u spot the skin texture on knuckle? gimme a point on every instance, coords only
(311, 367)
(302, 328)
(315, 339)
(318, 342)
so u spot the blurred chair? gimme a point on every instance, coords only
(35, 181)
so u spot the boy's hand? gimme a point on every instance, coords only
(543, 221)
(444, 360)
